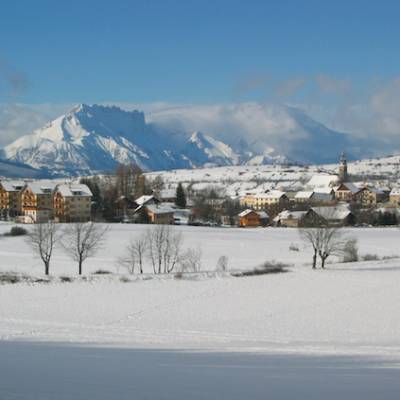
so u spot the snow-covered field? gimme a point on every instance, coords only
(348, 308)
(302, 334)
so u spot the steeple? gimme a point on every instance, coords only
(343, 174)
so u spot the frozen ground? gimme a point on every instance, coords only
(65, 372)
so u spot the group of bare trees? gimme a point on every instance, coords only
(163, 248)
(79, 240)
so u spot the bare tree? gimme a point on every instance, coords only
(43, 239)
(134, 255)
(82, 240)
(331, 242)
(164, 248)
(311, 237)
(190, 261)
(325, 241)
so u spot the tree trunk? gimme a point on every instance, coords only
(314, 263)
(323, 262)
(80, 267)
(46, 268)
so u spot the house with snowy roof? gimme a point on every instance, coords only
(394, 196)
(161, 213)
(9, 198)
(72, 203)
(265, 200)
(36, 200)
(251, 218)
(317, 196)
(346, 191)
(339, 214)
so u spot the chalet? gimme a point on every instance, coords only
(340, 214)
(72, 203)
(158, 213)
(10, 205)
(36, 200)
(346, 191)
(394, 196)
(251, 218)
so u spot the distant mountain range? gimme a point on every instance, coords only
(95, 139)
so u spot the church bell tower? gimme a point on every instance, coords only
(343, 174)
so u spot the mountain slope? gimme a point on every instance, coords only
(255, 129)
(95, 138)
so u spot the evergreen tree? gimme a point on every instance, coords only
(180, 197)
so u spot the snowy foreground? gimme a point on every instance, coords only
(316, 329)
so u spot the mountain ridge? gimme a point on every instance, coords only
(92, 139)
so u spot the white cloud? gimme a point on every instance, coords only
(374, 115)
(19, 119)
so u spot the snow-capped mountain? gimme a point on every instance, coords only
(92, 139)
(95, 139)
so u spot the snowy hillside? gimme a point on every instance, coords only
(92, 139)
(234, 179)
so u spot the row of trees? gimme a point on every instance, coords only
(162, 246)
(79, 240)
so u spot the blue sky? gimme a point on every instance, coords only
(337, 60)
(193, 51)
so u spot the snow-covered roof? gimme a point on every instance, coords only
(245, 212)
(160, 208)
(12, 186)
(323, 190)
(72, 190)
(350, 186)
(273, 194)
(41, 187)
(263, 214)
(338, 212)
(303, 195)
(322, 180)
(395, 192)
(144, 199)
(286, 214)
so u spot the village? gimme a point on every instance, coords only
(131, 197)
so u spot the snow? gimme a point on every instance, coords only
(74, 189)
(331, 312)
(303, 334)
